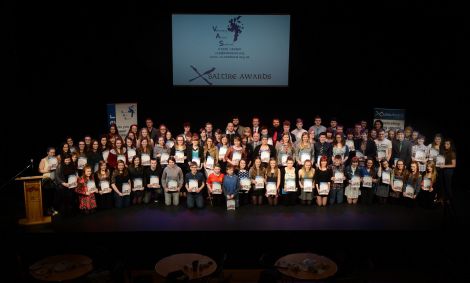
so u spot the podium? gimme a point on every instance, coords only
(33, 201)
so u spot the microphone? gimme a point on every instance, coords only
(32, 164)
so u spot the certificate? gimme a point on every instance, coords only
(359, 154)
(210, 162)
(271, 189)
(236, 156)
(172, 186)
(308, 185)
(420, 156)
(169, 143)
(138, 186)
(318, 160)
(245, 184)
(97, 166)
(154, 180)
(339, 177)
(179, 156)
(81, 162)
(324, 189)
(230, 204)
(197, 160)
(265, 156)
(350, 145)
(193, 185)
(355, 182)
(126, 189)
(367, 182)
(259, 182)
(91, 186)
(130, 154)
(164, 158)
(105, 155)
(121, 157)
(426, 184)
(409, 191)
(433, 153)
(289, 185)
(52, 161)
(284, 159)
(104, 185)
(422, 167)
(270, 141)
(386, 178)
(72, 181)
(440, 160)
(397, 185)
(381, 154)
(216, 188)
(304, 156)
(222, 152)
(145, 157)
(395, 162)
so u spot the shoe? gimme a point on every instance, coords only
(54, 212)
(155, 201)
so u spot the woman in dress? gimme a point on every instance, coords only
(353, 176)
(306, 181)
(322, 181)
(102, 178)
(272, 178)
(86, 191)
(257, 173)
(121, 184)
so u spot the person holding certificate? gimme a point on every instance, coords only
(384, 146)
(86, 191)
(65, 194)
(272, 178)
(353, 176)
(401, 149)
(152, 177)
(161, 152)
(340, 148)
(385, 180)
(420, 153)
(427, 193)
(264, 151)
(195, 153)
(369, 181)
(398, 180)
(304, 150)
(102, 177)
(337, 181)
(323, 181)
(322, 148)
(365, 148)
(169, 140)
(194, 185)
(257, 175)
(245, 183)
(118, 152)
(136, 174)
(47, 168)
(172, 182)
(231, 185)
(211, 156)
(289, 181)
(412, 184)
(214, 184)
(82, 157)
(179, 153)
(306, 178)
(284, 149)
(222, 149)
(235, 153)
(94, 156)
(144, 135)
(130, 149)
(121, 184)
(145, 152)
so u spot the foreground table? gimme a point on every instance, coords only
(61, 268)
(183, 262)
(306, 266)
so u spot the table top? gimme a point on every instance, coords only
(61, 267)
(183, 262)
(306, 266)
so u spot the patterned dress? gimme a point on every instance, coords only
(86, 202)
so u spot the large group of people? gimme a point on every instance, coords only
(242, 165)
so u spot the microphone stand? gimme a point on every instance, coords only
(14, 177)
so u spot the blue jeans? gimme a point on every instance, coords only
(120, 202)
(195, 198)
(336, 195)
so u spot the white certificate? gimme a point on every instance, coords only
(308, 185)
(130, 154)
(426, 184)
(420, 156)
(284, 159)
(179, 156)
(105, 155)
(236, 156)
(270, 141)
(145, 157)
(172, 186)
(386, 178)
(138, 186)
(323, 189)
(210, 162)
(318, 160)
(355, 182)
(265, 156)
(216, 188)
(409, 191)
(169, 143)
(72, 181)
(164, 158)
(81, 162)
(154, 180)
(359, 154)
(259, 182)
(339, 177)
(397, 185)
(350, 145)
(52, 163)
(197, 160)
(126, 189)
(245, 184)
(121, 157)
(289, 185)
(433, 153)
(304, 156)
(395, 160)
(193, 185)
(381, 154)
(367, 182)
(222, 152)
(440, 160)
(230, 204)
(104, 185)
(422, 167)
(91, 186)
(271, 189)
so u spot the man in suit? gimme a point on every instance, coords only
(401, 149)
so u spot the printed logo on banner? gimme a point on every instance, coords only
(235, 26)
(123, 115)
(391, 118)
(202, 76)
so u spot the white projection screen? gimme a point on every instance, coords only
(230, 50)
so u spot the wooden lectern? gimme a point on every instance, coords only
(33, 201)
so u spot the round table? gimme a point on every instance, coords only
(323, 267)
(61, 268)
(184, 262)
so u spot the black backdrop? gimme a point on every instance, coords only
(70, 60)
